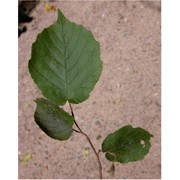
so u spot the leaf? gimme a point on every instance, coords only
(127, 144)
(54, 121)
(27, 157)
(65, 62)
(49, 7)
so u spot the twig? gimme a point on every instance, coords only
(90, 142)
(76, 130)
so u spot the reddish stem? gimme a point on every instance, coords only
(90, 142)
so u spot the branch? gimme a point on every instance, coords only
(76, 130)
(89, 140)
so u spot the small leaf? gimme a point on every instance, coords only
(49, 7)
(27, 157)
(54, 121)
(65, 62)
(127, 144)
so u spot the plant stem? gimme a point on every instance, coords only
(90, 142)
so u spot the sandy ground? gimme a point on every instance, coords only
(128, 91)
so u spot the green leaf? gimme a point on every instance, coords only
(127, 144)
(54, 121)
(27, 157)
(65, 62)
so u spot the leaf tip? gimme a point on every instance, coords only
(38, 100)
(61, 16)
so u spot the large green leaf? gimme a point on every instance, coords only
(54, 121)
(65, 62)
(127, 144)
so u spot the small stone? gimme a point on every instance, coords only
(98, 123)
(103, 15)
(98, 137)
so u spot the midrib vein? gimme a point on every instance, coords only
(65, 54)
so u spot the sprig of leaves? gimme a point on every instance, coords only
(65, 65)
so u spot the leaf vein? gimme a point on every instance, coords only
(54, 44)
(52, 54)
(52, 69)
(82, 68)
(46, 78)
(57, 35)
(78, 57)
